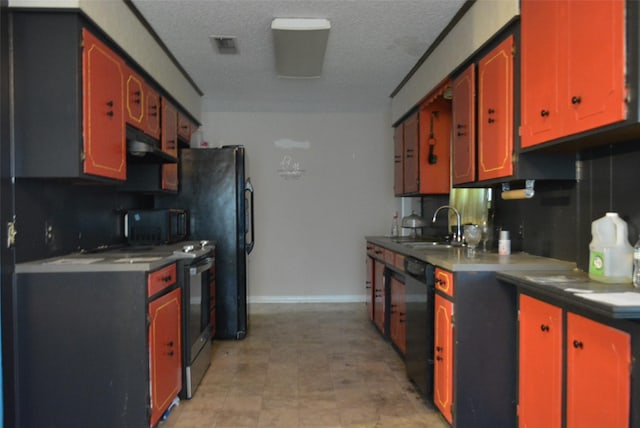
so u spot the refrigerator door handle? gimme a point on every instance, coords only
(249, 188)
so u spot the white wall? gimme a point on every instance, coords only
(310, 232)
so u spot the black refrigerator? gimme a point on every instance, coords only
(219, 197)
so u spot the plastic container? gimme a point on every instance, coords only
(610, 253)
(504, 243)
(635, 277)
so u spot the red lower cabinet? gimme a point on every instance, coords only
(398, 314)
(540, 364)
(598, 374)
(165, 352)
(443, 356)
(368, 287)
(379, 296)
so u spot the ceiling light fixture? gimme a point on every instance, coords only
(300, 45)
(224, 44)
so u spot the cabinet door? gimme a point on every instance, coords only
(463, 149)
(152, 112)
(185, 128)
(543, 67)
(443, 355)
(495, 112)
(411, 154)
(165, 352)
(103, 118)
(540, 364)
(444, 281)
(169, 145)
(598, 374)
(379, 296)
(398, 155)
(595, 89)
(435, 147)
(134, 94)
(398, 314)
(368, 287)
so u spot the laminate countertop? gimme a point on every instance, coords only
(122, 259)
(455, 259)
(575, 289)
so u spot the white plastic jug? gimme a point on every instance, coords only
(610, 253)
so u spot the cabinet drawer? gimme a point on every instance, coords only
(161, 279)
(389, 257)
(399, 261)
(444, 281)
(378, 252)
(370, 249)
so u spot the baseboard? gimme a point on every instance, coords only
(307, 299)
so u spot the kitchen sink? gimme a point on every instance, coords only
(422, 245)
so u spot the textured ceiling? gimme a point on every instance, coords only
(372, 46)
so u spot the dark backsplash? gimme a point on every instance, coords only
(556, 222)
(81, 216)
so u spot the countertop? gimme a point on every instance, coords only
(455, 259)
(574, 288)
(125, 259)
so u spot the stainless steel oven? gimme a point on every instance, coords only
(196, 330)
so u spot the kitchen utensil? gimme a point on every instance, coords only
(472, 236)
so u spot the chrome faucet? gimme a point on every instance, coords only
(457, 239)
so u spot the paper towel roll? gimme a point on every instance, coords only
(518, 194)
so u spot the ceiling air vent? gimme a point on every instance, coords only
(224, 44)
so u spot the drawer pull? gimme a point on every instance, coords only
(544, 327)
(577, 344)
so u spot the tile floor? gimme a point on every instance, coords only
(305, 365)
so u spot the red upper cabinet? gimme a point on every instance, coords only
(134, 98)
(422, 147)
(142, 104)
(398, 164)
(540, 364)
(411, 154)
(594, 99)
(103, 119)
(152, 113)
(435, 144)
(169, 145)
(495, 112)
(464, 116)
(561, 50)
(185, 128)
(541, 61)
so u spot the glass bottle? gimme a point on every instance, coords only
(394, 226)
(636, 264)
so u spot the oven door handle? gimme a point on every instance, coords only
(201, 267)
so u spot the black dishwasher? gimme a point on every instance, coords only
(419, 283)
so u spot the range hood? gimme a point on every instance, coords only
(142, 148)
